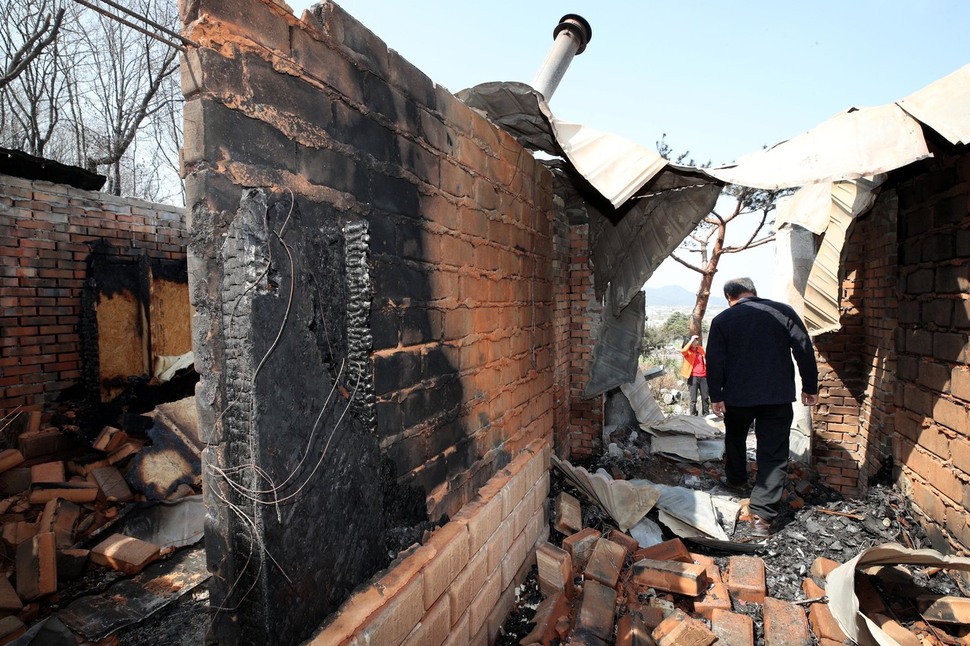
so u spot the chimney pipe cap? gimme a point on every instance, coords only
(578, 26)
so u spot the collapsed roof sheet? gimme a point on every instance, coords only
(629, 244)
(614, 166)
(944, 106)
(853, 144)
(827, 210)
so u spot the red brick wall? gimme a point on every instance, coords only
(459, 586)
(895, 381)
(856, 364)
(585, 415)
(452, 298)
(932, 443)
(46, 235)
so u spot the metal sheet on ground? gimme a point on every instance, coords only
(132, 600)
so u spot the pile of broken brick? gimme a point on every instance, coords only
(602, 587)
(62, 496)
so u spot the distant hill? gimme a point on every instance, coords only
(676, 296)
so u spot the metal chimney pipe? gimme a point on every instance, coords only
(569, 39)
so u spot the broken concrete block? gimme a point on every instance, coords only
(109, 439)
(567, 514)
(16, 532)
(580, 545)
(824, 625)
(547, 614)
(596, 609)
(713, 573)
(672, 550)
(671, 576)
(113, 485)
(10, 629)
(732, 629)
(716, 597)
(79, 492)
(896, 630)
(623, 539)
(43, 441)
(555, 570)
(822, 566)
(9, 601)
(945, 610)
(14, 481)
(71, 563)
(124, 553)
(47, 472)
(60, 516)
(586, 638)
(632, 631)
(746, 578)
(84, 470)
(650, 615)
(810, 589)
(785, 624)
(37, 567)
(124, 452)
(10, 458)
(680, 629)
(606, 562)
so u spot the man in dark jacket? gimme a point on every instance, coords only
(751, 379)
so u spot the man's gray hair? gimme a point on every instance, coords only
(734, 288)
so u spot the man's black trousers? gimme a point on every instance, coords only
(772, 426)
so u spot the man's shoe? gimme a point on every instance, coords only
(736, 487)
(760, 528)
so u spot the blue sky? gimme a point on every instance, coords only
(721, 79)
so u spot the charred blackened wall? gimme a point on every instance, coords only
(51, 236)
(372, 269)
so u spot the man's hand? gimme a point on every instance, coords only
(809, 400)
(718, 408)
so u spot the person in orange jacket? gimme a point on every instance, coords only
(694, 370)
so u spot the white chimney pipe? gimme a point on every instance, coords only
(569, 40)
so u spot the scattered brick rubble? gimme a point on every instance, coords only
(595, 585)
(61, 495)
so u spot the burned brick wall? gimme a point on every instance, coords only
(49, 234)
(932, 395)
(895, 383)
(372, 269)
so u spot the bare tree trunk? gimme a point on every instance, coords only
(707, 278)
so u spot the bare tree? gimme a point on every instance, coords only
(129, 70)
(707, 241)
(84, 89)
(25, 41)
(32, 90)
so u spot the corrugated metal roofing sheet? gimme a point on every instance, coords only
(944, 106)
(853, 144)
